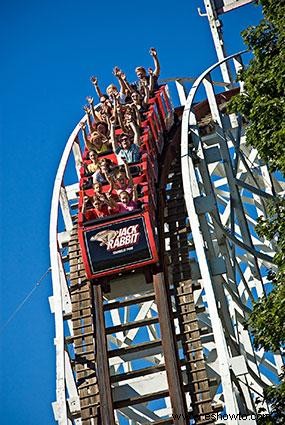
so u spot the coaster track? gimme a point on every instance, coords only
(174, 347)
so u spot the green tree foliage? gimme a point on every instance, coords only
(275, 397)
(263, 106)
(267, 320)
(268, 317)
(263, 103)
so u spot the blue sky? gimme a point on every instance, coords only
(49, 51)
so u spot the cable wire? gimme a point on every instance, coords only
(27, 297)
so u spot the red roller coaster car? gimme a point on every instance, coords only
(124, 242)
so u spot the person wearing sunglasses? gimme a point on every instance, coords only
(126, 147)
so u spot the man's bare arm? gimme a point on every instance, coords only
(153, 53)
(112, 134)
(136, 133)
(90, 100)
(117, 72)
(129, 88)
(109, 180)
(118, 114)
(128, 173)
(85, 200)
(89, 123)
(94, 81)
(137, 117)
(83, 129)
(148, 88)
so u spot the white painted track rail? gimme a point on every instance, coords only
(60, 301)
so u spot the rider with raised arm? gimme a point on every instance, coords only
(94, 81)
(87, 110)
(106, 108)
(152, 78)
(96, 141)
(126, 149)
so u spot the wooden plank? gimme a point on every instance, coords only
(140, 399)
(137, 348)
(107, 412)
(120, 304)
(131, 325)
(137, 373)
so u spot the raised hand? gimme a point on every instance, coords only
(90, 100)
(152, 51)
(87, 109)
(94, 80)
(123, 75)
(116, 71)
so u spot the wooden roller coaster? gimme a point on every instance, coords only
(169, 346)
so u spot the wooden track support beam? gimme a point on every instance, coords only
(105, 391)
(174, 378)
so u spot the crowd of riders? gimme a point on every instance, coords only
(112, 134)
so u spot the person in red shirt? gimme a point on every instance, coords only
(100, 209)
(98, 192)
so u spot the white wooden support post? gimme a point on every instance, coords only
(77, 156)
(73, 400)
(60, 404)
(238, 64)
(208, 84)
(215, 26)
(181, 92)
(194, 129)
(63, 199)
(65, 294)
